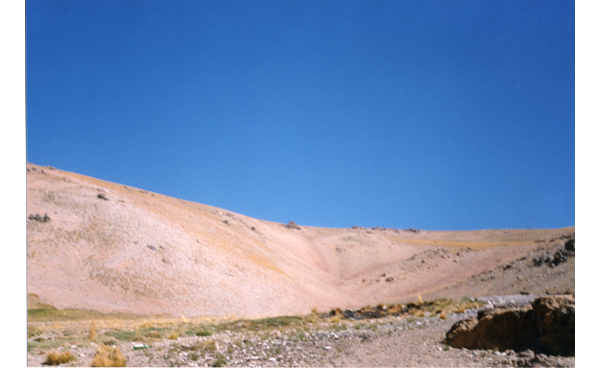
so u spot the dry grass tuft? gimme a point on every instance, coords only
(107, 356)
(137, 336)
(394, 309)
(153, 334)
(419, 299)
(443, 315)
(33, 331)
(173, 336)
(220, 361)
(211, 346)
(92, 335)
(56, 358)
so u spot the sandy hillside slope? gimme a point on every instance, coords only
(109, 247)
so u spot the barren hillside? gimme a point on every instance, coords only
(108, 247)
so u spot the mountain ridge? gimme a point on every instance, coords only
(113, 248)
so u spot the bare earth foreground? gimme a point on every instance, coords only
(99, 246)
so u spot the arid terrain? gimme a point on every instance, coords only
(104, 247)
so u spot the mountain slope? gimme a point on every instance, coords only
(109, 247)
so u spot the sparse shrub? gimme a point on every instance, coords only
(301, 336)
(413, 311)
(394, 309)
(220, 362)
(341, 326)
(137, 336)
(126, 335)
(203, 332)
(153, 334)
(110, 342)
(211, 346)
(56, 358)
(420, 314)
(335, 319)
(108, 356)
(297, 336)
(33, 331)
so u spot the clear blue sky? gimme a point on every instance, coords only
(441, 115)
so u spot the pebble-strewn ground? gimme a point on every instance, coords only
(391, 341)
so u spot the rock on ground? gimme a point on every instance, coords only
(547, 326)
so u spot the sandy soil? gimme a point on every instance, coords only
(112, 248)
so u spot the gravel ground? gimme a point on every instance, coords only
(404, 341)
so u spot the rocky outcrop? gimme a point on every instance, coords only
(570, 245)
(547, 326)
(555, 317)
(495, 329)
(37, 217)
(292, 225)
(560, 256)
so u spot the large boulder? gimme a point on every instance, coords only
(570, 245)
(555, 319)
(547, 326)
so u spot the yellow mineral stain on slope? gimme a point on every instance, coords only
(455, 244)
